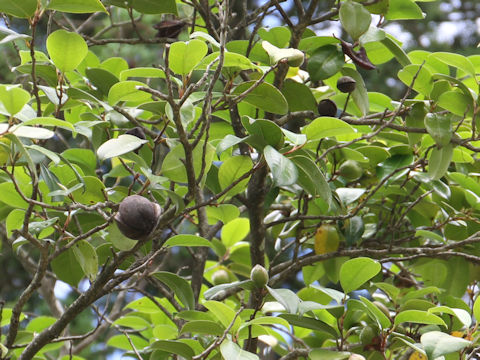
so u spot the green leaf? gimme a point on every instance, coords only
(122, 342)
(418, 317)
(127, 91)
(309, 323)
(119, 146)
(179, 286)
(423, 81)
(311, 179)
(224, 314)
(223, 212)
(476, 309)
(456, 102)
(283, 170)
(235, 231)
(265, 96)
(87, 258)
(278, 36)
(231, 60)
(299, 96)
(323, 127)
(133, 322)
(155, 6)
(13, 98)
(326, 61)
(403, 10)
(76, 6)
(143, 72)
(66, 49)
(20, 9)
(439, 161)
(355, 18)
(187, 240)
(287, 298)
(102, 79)
(202, 327)
(456, 60)
(324, 354)
(376, 314)
(437, 344)
(355, 272)
(265, 131)
(231, 170)
(462, 315)
(49, 121)
(92, 193)
(232, 351)
(184, 56)
(396, 50)
(439, 127)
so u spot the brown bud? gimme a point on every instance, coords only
(346, 84)
(327, 107)
(259, 276)
(137, 217)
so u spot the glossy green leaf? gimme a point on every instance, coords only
(420, 77)
(311, 179)
(439, 161)
(376, 314)
(187, 240)
(203, 327)
(127, 91)
(265, 96)
(232, 351)
(325, 62)
(155, 7)
(184, 56)
(143, 72)
(87, 258)
(179, 286)
(355, 18)
(231, 170)
(278, 36)
(324, 354)
(66, 49)
(119, 146)
(437, 344)
(283, 170)
(13, 98)
(299, 96)
(235, 231)
(418, 317)
(403, 10)
(323, 127)
(76, 6)
(287, 298)
(356, 272)
(124, 343)
(309, 323)
(223, 313)
(456, 60)
(439, 127)
(21, 9)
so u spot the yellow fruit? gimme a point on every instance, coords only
(327, 239)
(417, 356)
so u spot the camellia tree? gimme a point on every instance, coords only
(245, 196)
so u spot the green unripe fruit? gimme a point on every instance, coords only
(220, 277)
(327, 107)
(259, 276)
(351, 170)
(367, 335)
(346, 84)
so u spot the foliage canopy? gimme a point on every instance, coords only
(287, 230)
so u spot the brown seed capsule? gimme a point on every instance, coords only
(346, 84)
(327, 107)
(137, 217)
(169, 28)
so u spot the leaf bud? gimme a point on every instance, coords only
(346, 84)
(137, 217)
(259, 276)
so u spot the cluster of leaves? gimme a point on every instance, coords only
(365, 221)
